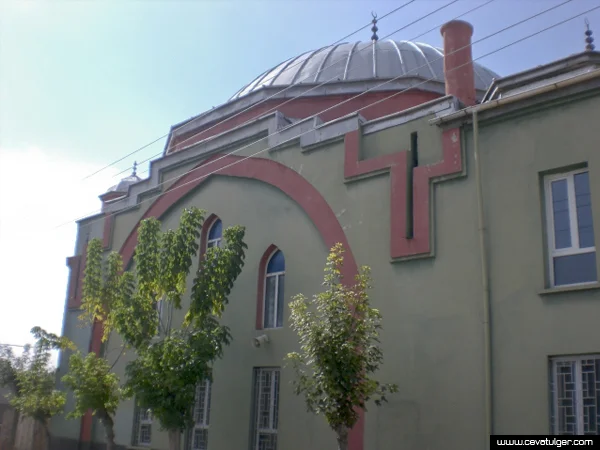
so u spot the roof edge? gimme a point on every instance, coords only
(557, 67)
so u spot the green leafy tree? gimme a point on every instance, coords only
(339, 340)
(9, 365)
(94, 387)
(31, 379)
(164, 376)
(138, 305)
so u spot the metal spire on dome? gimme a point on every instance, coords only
(374, 28)
(589, 39)
(134, 174)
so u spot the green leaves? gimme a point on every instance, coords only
(164, 377)
(339, 341)
(165, 374)
(164, 259)
(31, 377)
(93, 385)
(170, 362)
(108, 296)
(218, 270)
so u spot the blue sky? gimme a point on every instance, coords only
(83, 83)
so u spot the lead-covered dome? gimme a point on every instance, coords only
(361, 61)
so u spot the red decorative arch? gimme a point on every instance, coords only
(206, 226)
(260, 289)
(270, 172)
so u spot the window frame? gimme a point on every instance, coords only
(274, 399)
(276, 302)
(204, 425)
(138, 427)
(574, 249)
(215, 242)
(577, 359)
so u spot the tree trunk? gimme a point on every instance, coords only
(342, 438)
(109, 430)
(174, 440)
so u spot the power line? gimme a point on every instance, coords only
(358, 95)
(382, 84)
(287, 68)
(311, 75)
(360, 109)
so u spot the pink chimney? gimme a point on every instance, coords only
(458, 61)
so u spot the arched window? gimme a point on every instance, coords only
(215, 234)
(274, 291)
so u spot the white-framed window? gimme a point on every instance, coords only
(142, 436)
(266, 408)
(198, 439)
(571, 247)
(575, 387)
(215, 234)
(274, 291)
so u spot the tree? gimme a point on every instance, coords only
(107, 291)
(340, 349)
(31, 379)
(9, 364)
(138, 305)
(94, 387)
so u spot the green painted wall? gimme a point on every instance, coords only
(528, 327)
(432, 308)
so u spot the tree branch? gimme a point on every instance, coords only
(118, 357)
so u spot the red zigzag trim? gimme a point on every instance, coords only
(420, 244)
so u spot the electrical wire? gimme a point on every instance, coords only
(335, 77)
(308, 76)
(358, 110)
(388, 81)
(273, 76)
(356, 96)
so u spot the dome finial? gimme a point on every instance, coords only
(374, 28)
(589, 39)
(134, 169)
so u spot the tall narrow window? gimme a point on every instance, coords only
(266, 408)
(413, 162)
(199, 434)
(575, 382)
(215, 234)
(570, 229)
(142, 432)
(274, 291)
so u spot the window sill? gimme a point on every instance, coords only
(575, 288)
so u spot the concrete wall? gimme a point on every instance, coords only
(432, 308)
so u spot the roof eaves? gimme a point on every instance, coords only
(542, 72)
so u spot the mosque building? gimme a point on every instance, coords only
(473, 197)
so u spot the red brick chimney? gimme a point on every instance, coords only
(458, 61)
